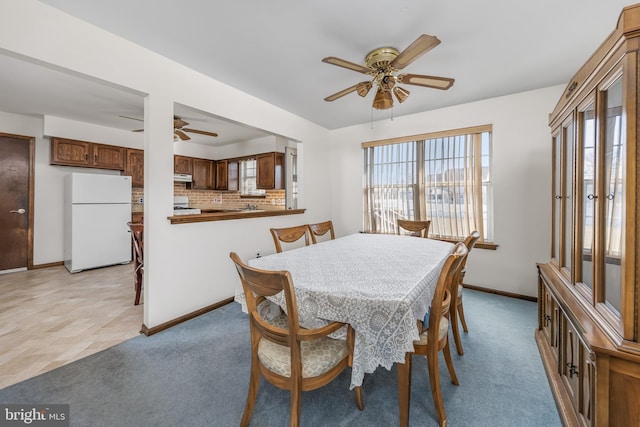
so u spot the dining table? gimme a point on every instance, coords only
(380, 284)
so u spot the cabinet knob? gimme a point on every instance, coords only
(572, 369)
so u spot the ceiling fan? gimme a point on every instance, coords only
(382, 64)
(178, 128)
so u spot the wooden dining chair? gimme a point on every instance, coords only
(287, 355)
(137, 230)
(321, 229)
(414, 228)
(434, 337)
(290, 235)
(457, 310)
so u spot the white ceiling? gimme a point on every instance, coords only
(273, 50)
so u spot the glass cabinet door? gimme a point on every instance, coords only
(613, 193)
(587, 196)
(557, 196)
(566, 244)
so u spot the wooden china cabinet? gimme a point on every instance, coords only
(588, 299)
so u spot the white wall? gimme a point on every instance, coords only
(521, 170)
(187, 266)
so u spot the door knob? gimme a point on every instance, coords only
(19, 211)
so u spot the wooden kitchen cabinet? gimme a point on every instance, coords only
(70, 152)
(182, 164)
(233, 175)
(108, 156)
(137, 217)
(134, 167)
(203, 175)
(588, 301)
(270, 171)
(222, 178)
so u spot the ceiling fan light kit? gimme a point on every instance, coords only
(383, 100)
(400, 93)
(382, 64)
(363, 88)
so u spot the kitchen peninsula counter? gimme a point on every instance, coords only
(231, 213)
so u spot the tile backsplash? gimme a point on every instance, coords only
(208, 197)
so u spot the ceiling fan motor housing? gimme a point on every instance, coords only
(381, 58)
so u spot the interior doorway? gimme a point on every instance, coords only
(16, 202)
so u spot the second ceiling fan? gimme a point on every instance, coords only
(382, 64)
(178, 128)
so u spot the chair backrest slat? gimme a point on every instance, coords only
(320, 229)
(415, 228)
(290, 235)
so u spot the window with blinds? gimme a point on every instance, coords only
(443, 177)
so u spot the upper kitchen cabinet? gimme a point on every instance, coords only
(233, 175)
(134, 167)
(589, 303)
(69, 152)
(182, 164)
(222, 180)
(108, 156)
(270, 171)
(203, 175)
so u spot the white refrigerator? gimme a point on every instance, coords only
(97, 209)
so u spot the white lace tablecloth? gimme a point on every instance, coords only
(380, 284)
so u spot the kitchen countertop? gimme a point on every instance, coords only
(227, 214)
(235, 207)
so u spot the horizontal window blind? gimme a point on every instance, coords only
(444, 178)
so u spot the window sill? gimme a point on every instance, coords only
(479, 245)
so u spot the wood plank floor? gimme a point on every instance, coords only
(50, 317)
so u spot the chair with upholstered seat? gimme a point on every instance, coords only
(290, 235)
(321, 229)
(414, 228)
(138, 257)
(287, 355)
(457, 310)
(434, 337)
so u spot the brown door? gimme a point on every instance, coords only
(16, 154)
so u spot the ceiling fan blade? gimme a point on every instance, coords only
(138, 130)
(178, 122)
(434, 82)
(341, 93)
(183, 136)
(201, 132)
(346, 64)
(132, 118)
(419, 47)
